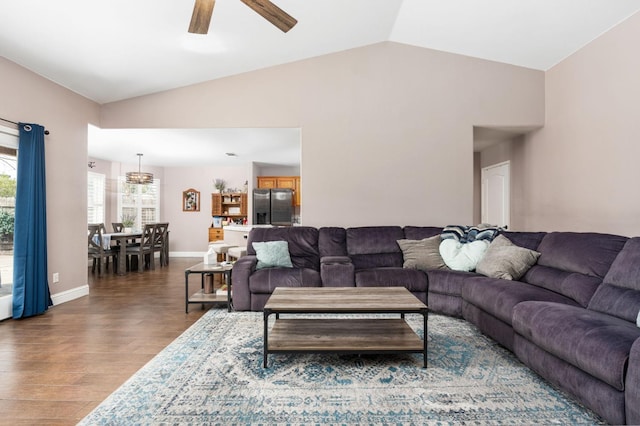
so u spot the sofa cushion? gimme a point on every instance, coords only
(620, 293)
(420, 232)
(576, 286)
(625, 269)
(332, 241)
(302, 240)
(272, 254)
(529, 240)
(266, 280)
(620, 302)
(462, 256)
(448, 282)
(586, 253)
(413, 279)
(422, 254)
(498, 297)
(597, 343)
(505, 260)
(375, 246)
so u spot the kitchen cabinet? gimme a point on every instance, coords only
(267, 182)
(216, 234)
(232, 205)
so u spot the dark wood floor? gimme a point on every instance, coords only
(57, 367)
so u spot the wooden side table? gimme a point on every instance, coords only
(208, 298)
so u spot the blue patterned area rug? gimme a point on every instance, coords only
(213, 374)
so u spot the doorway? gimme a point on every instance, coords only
(496, 194)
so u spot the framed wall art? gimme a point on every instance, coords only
(191, 200)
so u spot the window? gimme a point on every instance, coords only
(138, 202)
(95, 197)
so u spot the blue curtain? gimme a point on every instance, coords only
(31, 294)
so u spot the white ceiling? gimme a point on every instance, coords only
(197, 147)
(108, 50)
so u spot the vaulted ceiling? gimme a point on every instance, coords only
(110, 50)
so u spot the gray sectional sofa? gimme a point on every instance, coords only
(572, 317)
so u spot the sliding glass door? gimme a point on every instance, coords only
(8, 169)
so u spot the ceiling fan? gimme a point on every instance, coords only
(203, 10)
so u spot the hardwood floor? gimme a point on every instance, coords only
(57, 367)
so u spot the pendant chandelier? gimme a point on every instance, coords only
(139, 178)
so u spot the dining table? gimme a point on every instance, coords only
(122, 238)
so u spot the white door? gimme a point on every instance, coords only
(496, 194)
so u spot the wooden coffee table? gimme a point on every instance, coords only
(344, 334)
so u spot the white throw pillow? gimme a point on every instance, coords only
(638, 319)
(462, 257)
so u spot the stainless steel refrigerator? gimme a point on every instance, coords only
(273, 207)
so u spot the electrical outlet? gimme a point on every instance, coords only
(56, 277)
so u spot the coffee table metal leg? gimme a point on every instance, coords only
(265, 350)
(227, 280)
(202, 287)
(425, 317)
(186, 291)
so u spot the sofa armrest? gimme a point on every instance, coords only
(632, 385)
(337, 271)
(242, 270)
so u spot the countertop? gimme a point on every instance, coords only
(244, 228)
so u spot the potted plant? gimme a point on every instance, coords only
(128, 220)
(220, 184)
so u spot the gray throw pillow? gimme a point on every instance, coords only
(422, 254)
(505, 260)
(272, 254)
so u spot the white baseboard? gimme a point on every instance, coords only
(6, 302)
(69, 295)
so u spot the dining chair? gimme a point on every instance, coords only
(144, 250)
(97, 250)
(107, 245)
(161, 242)
(117, 226)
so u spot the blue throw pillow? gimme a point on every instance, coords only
(272, 254)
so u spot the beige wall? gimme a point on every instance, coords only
(28, 97)
(190, 230)
(386, 129)
(582, 168)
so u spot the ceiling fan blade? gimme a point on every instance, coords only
(272, 13)
(201, 17)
